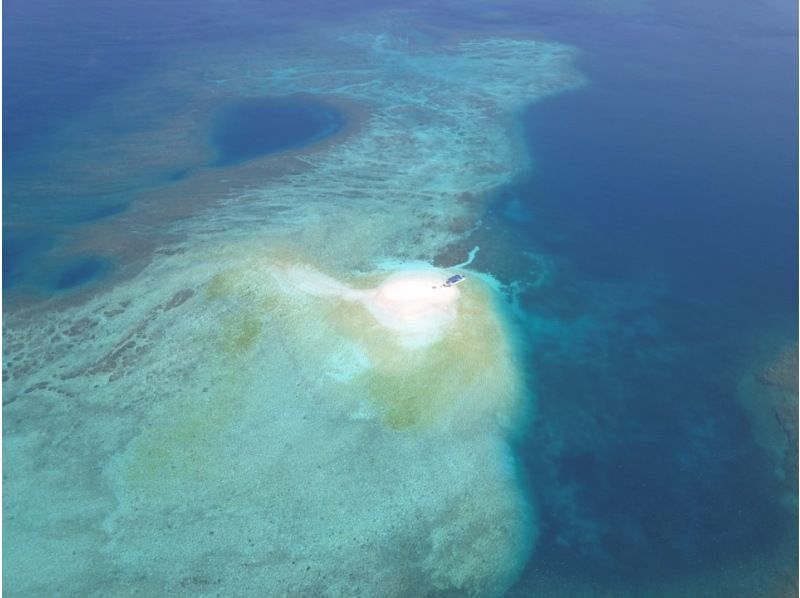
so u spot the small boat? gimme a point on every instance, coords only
(454, 280)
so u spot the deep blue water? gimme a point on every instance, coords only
(664, 192)
(666, 189)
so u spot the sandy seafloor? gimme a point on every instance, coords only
(207, 423)
(214, 386)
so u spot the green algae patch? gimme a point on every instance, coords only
(249, 301)
(220, 285)
(185, 442)
(241, 333)
(234, 283)
(183, 445)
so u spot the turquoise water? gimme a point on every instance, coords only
(200, 399)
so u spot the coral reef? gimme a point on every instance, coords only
(268, 397)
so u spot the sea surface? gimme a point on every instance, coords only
(642, 243)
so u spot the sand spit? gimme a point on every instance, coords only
(414, 305)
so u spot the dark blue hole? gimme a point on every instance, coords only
(80, 272)
(253, 127)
